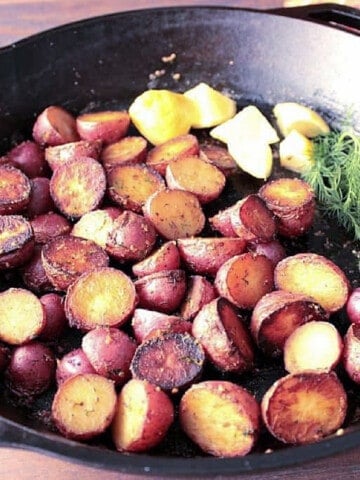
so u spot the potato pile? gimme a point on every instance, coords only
(108, 235)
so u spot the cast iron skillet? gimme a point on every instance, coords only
(258, 57)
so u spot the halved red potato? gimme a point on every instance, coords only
(84, 406)
(224, 336)
(16, 241)
(127, 150)
(96, 225)
(315, 345)
(245, 278)
(163, 291)
(196, 175)
(199, 292)
(143, 416)
(22, 316)
(221, 222)
(220, 157)
(66, 258)
(33, 274)
(144, 322)
(55, 126)
(292, 201)
(175, 213)
(131, 238)
(130, 185)
(304, 407)
(160, 156)
(58, 155)
(166, 257)
(351, 354)
(48, 226)
(56, 321)
(315, 276)
(110, 352)
(171, 361)
(78, 186)
(28, 156)
(221, 417)
(205, 255)
(107, 126)
(71, 364)
(103, 297)
(15, 190)
(277, 314)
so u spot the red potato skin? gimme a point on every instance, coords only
(46, 131)
(157, 418)
(274, 250)
(40, 198)
(221, 222)
(108, 131)
(166, 257)
(351, 352)
(199, 292)
(48, 226)
(73, 363)
(59, 154)
(163, 291)
(33, 274)
(28, 156)
(144, 322)
(110, 352)
(56, 321)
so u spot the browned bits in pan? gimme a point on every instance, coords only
(171, 361)
(78, 186)
(131, 185)
(16, 241)
(15, 189)
(181, 146)
(66, 258)
(103, 297)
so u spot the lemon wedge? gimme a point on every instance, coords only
(248, 123)
(296, 152)
(294, 116)
(253, 157)
(211, 106)
(161, 115)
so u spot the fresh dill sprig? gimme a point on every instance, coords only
(335, 177)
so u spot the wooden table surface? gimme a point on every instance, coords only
(18, 19)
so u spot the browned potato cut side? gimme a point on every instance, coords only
(221, 417)
(170, 361)
(126, 150)
(131, 238)
(22, 316)
(104, 297)
(205, 256)
(15, 190)
(175, 213)
(84, 406)
(131, 185)
(304, 407)
(315, 276)
(16, 241)
(252, 220)
(195, 175)
(78, 186)
(66, 258)
(245, 278)
(144, 322)
(220, 157)
(277, 314)
(161, 155)
(55, 126)
(166, 257)
(199, 292)
(163, 291)
(58, 155)
(107, 126)
(293, 202)
(110, 352)
(49, 226)
(351, 354)
(225, 338)
(143, 416)
(313, 346)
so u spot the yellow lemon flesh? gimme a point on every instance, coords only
(248, 123)
(296, 152)
(294, 116)
(160, 115)
(253, 157)
(211, 106)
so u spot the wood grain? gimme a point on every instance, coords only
(19, 19)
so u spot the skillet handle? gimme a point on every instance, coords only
(338, 16)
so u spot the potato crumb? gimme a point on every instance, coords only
(340, 432)
(176, 76)
(269, 450)
(169, 58)
(157, 74)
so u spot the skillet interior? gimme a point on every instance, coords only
(105, 62)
